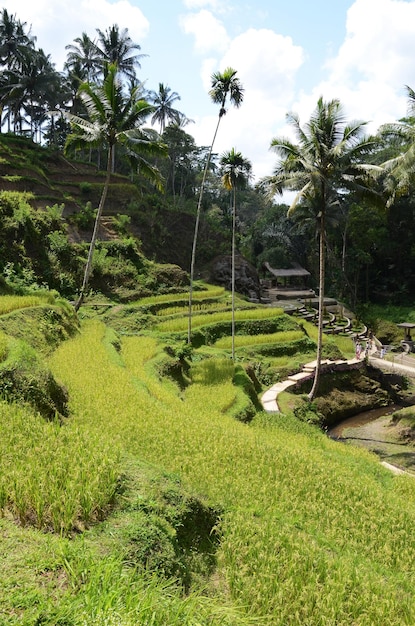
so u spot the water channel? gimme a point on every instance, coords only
(375, 431)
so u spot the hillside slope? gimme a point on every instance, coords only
(164, 230)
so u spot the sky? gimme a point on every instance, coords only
(287, 54)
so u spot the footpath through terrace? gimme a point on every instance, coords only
(269, 398)
(400, 364)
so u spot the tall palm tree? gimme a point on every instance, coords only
(114, 119)
(83, 56)
(115, 46)
(326, 164)
(236, 172)
(400, 136)
(15, 45)
(32, 89)
(14, 40)
(163, 100)
(223, 85)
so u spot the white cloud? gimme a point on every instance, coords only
(209, 32)
(372, 65)
(216, 5)
(267, 64)
(57, 23)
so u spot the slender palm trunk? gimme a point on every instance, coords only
(196, 231)
(88, 266)
(233, 272)
(317, 372)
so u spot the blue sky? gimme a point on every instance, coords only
(287, 54)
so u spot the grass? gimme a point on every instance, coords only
(197, 308)
(52, 476)
(209, 291)
(309, 531)
(252, 340)
(179, 325)
(343, 558)
(13, 303)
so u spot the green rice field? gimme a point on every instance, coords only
(100, 512)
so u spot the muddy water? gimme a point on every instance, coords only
(374, 431)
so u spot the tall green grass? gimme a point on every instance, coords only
(251, 340)
(54, 477)
(209, 292)
(12, 303)
(197, 307)
(4, 346)
(177, 325)
(313, 532)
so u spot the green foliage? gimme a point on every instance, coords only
(121, 223)
(85, 187)
(24, 378)
(55, 211)
(304, 345)
(387, 332)
(85, 217)
(44, 327)
(307, 411)
(4, 346)
(158, 300)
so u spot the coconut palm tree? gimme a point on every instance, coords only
(113, 118)
(115, 46)
(14, 41)
(400, 138)
(163, 100)
(236, 172)
(223, 85)
(84, 58)
(31, 90)
(327, 163)
(15, 45)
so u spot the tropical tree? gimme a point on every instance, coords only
(180, 167)
(236, 172)
(31, 90)
(326, 164)
(113, 118)
(163, 100)
(14, 41)
(115, 46)
(15, 45)
(400, 139)
(83, 58)
(223, 85)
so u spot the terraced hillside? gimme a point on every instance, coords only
(164, 495)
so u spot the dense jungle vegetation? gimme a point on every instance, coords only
(141, 482)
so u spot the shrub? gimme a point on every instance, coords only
(85, 187)
(85, 217)
(23, 378)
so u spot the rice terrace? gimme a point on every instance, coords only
(207, 396)
(161, 493)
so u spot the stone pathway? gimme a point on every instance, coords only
(269, 398)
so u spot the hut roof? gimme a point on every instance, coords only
(281, 273)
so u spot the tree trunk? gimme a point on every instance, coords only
(88, 266)
(196, 231)
(317, 372)
(233, 272)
